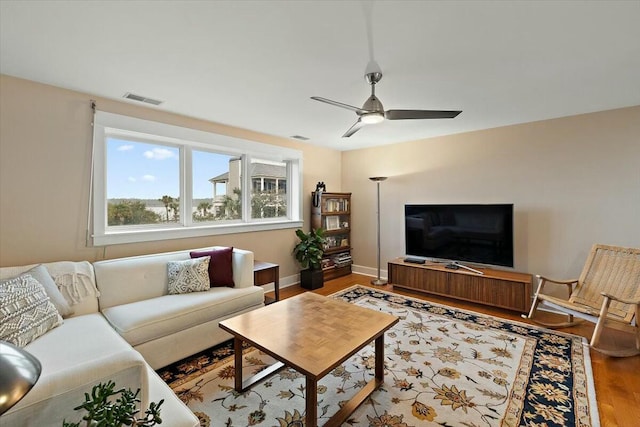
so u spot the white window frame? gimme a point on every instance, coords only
(114, 125)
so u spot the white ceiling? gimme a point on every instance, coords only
(254, 64)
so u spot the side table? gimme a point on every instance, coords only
(265, 273)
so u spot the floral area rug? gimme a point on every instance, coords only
(443, 366)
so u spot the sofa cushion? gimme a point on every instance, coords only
(150, 319)
(190, 275)
(127, 280)
(82, 352)
(25, 310)
(220, 265)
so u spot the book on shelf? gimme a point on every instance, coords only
(342, 259)
(336, 205)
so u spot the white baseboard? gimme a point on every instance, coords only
(285, 282)
(368, 271)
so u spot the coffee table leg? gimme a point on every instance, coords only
(379, 373)
(237, 355)
(311, 417)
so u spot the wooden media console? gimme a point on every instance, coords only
(497, 288)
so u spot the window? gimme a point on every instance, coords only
(154, 181)
(266, 200)
(213, 173)
(143, 183)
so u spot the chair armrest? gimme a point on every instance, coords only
(622, 300)
(560, 282)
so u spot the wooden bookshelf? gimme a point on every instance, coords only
(333, 214)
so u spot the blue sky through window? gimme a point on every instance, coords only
(149, 171)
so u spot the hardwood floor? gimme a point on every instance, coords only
(617, 380)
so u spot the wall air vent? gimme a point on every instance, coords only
(140, 98)
(300, 137)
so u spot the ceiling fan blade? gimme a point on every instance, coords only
(353, 129)
(339, 104)
(419, 114)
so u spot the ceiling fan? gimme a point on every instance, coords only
(372, 110)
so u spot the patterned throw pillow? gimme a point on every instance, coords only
(191, 275)
(25, 310)
(41, 274)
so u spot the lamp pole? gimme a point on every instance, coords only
(377, 180)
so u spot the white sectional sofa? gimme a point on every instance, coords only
(123, 327)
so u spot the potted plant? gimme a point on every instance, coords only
(308, 253)
(108, 407)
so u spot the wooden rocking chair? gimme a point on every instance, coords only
(607, 294)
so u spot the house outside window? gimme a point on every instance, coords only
(267, 200)
(154, 181)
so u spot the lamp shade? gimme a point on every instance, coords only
(19, 371)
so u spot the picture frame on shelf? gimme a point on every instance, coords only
(332, 222)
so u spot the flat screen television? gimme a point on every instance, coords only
(481, 234)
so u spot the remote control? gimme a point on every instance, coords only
(414, 260)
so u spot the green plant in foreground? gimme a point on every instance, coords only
(103, 412)
(310, 248)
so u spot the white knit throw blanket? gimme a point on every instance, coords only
(74, 279)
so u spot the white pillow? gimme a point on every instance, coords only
(191, 275)
(41, 274)
(25, 310)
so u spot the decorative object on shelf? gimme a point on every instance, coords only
(19, 371)
(378, 180)
(333, 222)
(102, 410)
(317, 195)
(308, 253)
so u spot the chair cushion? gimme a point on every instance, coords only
(220, 266)
(146, 320)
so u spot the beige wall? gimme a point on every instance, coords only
(45, 151)
(574, 181)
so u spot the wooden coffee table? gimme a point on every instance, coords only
(312, 334)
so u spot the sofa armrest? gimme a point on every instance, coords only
(242, 268)
(55, 394)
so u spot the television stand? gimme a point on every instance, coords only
(498, 288)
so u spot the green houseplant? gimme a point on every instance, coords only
(107, 407)
(308, 253)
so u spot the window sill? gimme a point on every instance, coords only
(150, 235)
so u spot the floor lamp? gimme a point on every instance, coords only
(19, 371)
(377, 180)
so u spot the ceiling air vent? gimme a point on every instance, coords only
(300, 137)
(139, 98)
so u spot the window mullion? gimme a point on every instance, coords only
(186, 185)
(246, 188)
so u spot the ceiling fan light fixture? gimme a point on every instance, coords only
(372, 118)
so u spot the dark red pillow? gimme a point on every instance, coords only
(220, 266)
